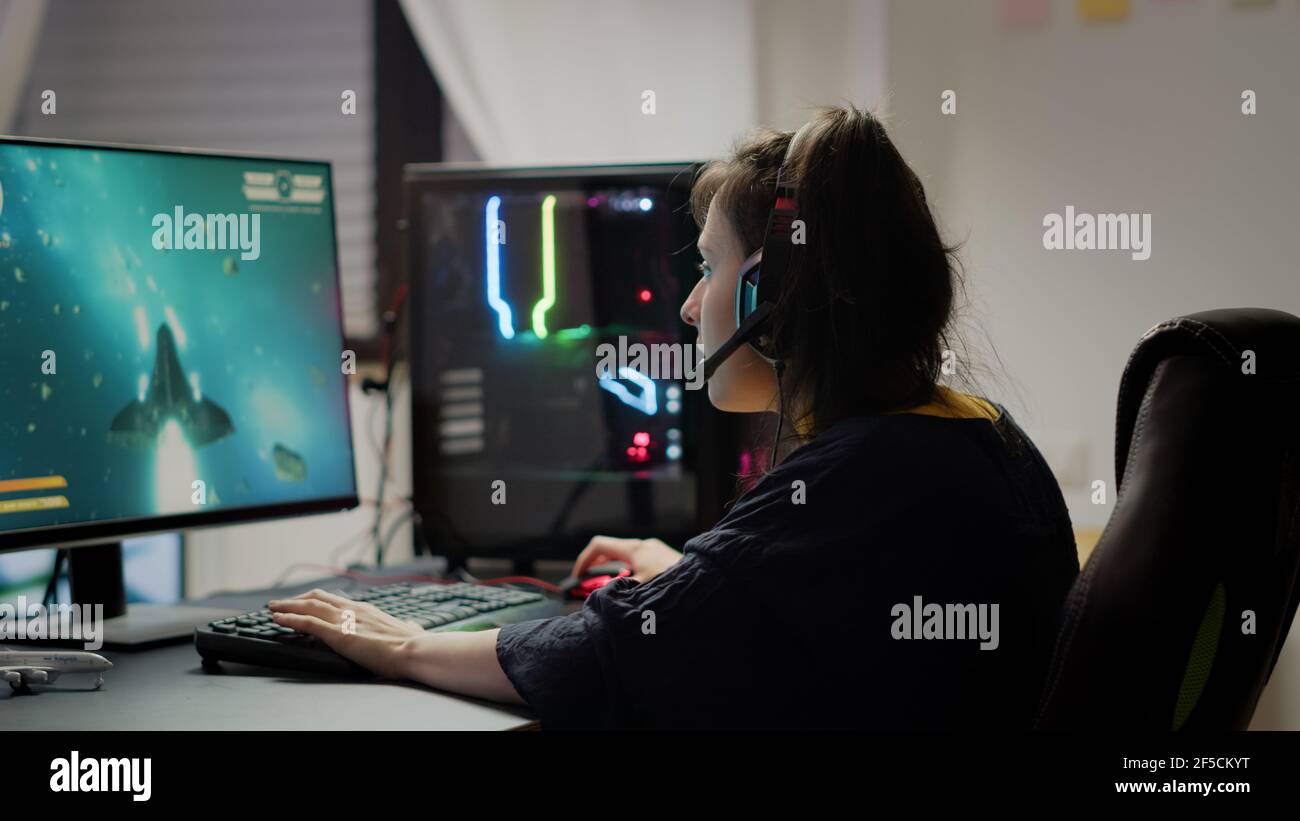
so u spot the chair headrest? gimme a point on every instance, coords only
(1223, 334)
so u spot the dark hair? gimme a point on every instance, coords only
(866, 315)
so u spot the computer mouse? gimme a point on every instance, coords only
(594, 578)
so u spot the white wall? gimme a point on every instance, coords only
(836, 55)
(563, 81)
(20, 29)
(1142, 116)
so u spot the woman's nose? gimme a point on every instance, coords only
(691, 307)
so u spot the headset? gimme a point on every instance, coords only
(759, 283)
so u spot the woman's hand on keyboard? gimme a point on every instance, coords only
(356, 630)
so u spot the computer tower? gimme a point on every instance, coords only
(524, 284)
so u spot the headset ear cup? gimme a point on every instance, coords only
(747, 288)
(749, 296)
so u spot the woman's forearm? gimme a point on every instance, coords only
(463, 663)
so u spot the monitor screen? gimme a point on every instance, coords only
(170, 340)
(525, 285)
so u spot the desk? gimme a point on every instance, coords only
(166, 688)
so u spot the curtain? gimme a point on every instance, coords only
(20, 28)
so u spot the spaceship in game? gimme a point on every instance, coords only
(169, 396)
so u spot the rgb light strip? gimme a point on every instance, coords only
(492, 223)
(647, 402)
(548, 268)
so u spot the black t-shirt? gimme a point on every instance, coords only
(799, 609)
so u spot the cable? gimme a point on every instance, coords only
(53, 586)
(349, 542)
(779, 367)
(547, 586)
(333, 556)
(383, 462)
(464, 575)
(409, 515)
(390, 504)
(388, 357)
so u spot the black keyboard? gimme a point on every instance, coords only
(254, 638)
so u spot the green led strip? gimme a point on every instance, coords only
(548, 268)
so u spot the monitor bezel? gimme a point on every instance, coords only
(80, 534)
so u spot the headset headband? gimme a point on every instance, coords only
(778, 248)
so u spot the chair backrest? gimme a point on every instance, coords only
(1177, 619)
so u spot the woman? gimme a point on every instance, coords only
(903, 566)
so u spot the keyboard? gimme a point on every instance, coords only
(254, 638)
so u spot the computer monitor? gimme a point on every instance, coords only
(170, 344)
(524, 284)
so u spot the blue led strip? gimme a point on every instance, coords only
(647, 402)
(491, 218)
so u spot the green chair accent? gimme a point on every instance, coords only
(1201, 660)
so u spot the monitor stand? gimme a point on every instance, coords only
(95, 576)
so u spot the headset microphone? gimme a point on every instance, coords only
(753, 325)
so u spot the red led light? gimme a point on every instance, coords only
(645, 295)
(641, 439)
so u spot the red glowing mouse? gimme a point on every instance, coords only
(594, 578)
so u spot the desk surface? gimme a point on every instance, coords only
(166, 688)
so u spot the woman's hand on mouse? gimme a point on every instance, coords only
(647, 557)
(356, 630)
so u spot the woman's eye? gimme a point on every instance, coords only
(704, 269)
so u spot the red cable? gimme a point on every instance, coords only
(354, 574)
(547, 586)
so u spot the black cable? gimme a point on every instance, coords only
(779, 367)
(390, 318)
(383, 464)
(421, 543)
(51, 588)
(407, 515)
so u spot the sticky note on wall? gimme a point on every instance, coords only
(1102, 11)
(1022, 13)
